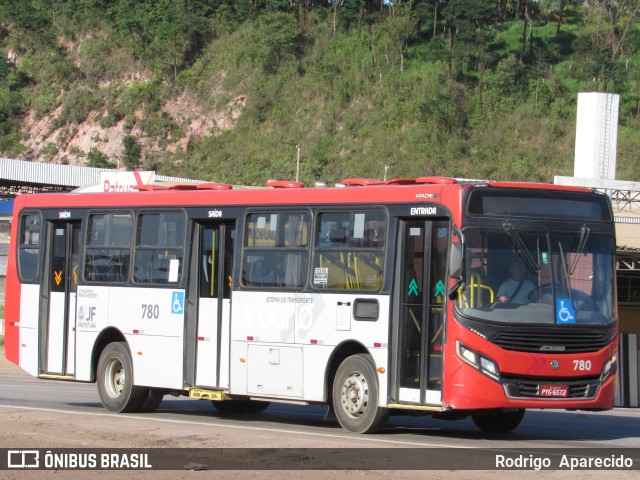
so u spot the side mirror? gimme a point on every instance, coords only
(456, 261)
(456, 255)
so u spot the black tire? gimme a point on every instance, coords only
(498, 421)
(355, 396)
(152, 400)
(115, 380)
(239, 407)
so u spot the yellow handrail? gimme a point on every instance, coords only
(475, 289)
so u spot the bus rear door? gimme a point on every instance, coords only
(58, 325)
(210, 288)
(420, 296)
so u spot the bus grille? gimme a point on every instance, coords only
(555, 342)
(516, 387)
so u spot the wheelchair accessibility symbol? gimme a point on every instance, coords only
(177, 303)
(565, 313)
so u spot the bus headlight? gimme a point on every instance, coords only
(470, 356)
(478, 361)
(489, 366)
(608, 368)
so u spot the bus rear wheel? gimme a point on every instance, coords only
(355, 396)
(152, 399)
(498, 421)
(115, 380)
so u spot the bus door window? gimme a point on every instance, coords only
(65, 258)
(437, 286)
(29, 247)
(210, 250)
(209, 262)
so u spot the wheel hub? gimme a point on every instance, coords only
(115, 378)
(355, 394)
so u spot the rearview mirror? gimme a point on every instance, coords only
(456, 261)
(456, 255)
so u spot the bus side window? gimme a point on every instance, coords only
(158, 254)
(368, 270)
(29, 247)
(108, 249)
(109, 266)
(262, 271)
(349, 252)
(275, 250)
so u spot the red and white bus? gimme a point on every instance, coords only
(374, 299)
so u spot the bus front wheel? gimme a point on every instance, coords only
(355, 396)
(115, 380)
(498, 421)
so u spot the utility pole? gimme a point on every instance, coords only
(386, 167)
(297, 146)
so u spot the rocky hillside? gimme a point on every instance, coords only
(214, 90)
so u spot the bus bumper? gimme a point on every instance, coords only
(469, 389)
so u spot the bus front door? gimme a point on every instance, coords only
(212, 282)
(420, 297)
(61, 283)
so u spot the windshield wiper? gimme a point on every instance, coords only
(565, 272)
(584, 236)
(521, 248)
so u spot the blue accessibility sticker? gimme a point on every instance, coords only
(565, 313)
(177, 303)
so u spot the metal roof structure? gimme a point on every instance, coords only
(19, 176)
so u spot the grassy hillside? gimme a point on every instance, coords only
(191, 90)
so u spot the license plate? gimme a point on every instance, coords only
(554, 390)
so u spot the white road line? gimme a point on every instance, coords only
(365, 439)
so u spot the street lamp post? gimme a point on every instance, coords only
(297, 146)
(386, 167)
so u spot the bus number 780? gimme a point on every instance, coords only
(582, 365)
(150, 311)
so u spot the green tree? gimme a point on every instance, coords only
(401, 27)
(612, 22)
(27, 15)
(132, 152)
(463, 20)
(97, 159)
(471, 27)
(170, 27)
(357, 14)
(274, 38)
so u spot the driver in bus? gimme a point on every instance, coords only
(517, 288)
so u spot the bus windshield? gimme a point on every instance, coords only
(538, 277)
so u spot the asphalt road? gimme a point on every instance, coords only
(41, 414)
